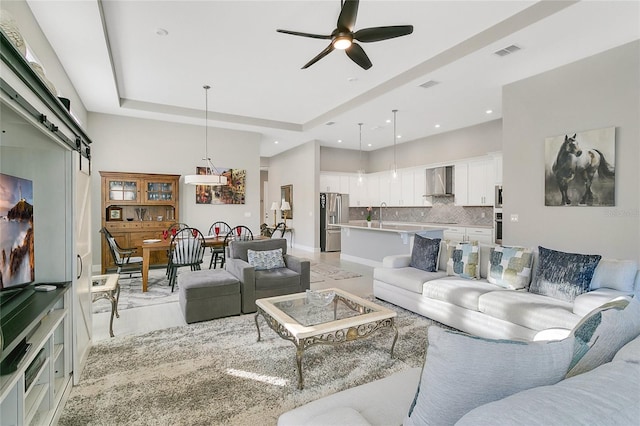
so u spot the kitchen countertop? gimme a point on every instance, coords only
(404, 226)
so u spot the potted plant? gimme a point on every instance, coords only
(369, 217)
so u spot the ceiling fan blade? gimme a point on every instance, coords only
(320, 55)
(357, 55)
(368, 35)
(348, 15)
(296, 33)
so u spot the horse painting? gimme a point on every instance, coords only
(573, 163)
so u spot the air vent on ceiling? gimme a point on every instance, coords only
(507, 50)
(429, 83)
(329, 123)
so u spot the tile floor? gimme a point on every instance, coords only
(156, 317)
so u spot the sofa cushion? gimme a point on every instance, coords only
(615, 274)
(407, 278)
(462, 372)
(265, 259)
(510, 267)
(381, 402)
(603, 332)
(276, 278)
(629, 352)
(563, 275)
(587, 302)
(458, 291)
(464, 261)
(528, 310)
(607, 395)
(425, 252)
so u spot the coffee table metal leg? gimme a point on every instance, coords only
(299, 353)
(257, 325)
(395, 338)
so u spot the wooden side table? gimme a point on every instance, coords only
(107, 287)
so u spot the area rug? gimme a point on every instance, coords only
(216, 373)
(159, 291)
(325, 272)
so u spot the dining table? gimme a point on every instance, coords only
(161, 244)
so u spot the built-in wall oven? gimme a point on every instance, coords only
(498, 226)
(498, 198)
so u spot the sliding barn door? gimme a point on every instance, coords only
(82, 324)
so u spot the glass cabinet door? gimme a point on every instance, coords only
(160, 192)
(122, 190)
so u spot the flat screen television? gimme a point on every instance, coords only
(16, 233)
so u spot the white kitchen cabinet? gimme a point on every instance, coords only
(357, 193)
(329, 182)
(372, 183)
(420, 188)
(385, 188)
(407, 188)
(461, 173)
(475, 182)
(497, 165)
(344, 186)
(466, 233)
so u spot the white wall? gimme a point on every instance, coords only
(299, 167)
(600, 91)
(125, 144)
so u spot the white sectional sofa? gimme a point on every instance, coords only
(606, 395)
(487, 310)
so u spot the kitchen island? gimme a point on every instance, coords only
(369, 245)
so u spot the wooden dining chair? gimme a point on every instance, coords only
(279, 230)
(237, 233)
(187, 249)
(217, 253)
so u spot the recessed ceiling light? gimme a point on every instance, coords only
(368, 144)
(388, 121)
(339, 140)
(352, 79)
(161, 32)
(399, 137)
(489, 111)
(437, 126)
(276, 142)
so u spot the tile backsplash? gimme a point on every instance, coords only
(442, 211)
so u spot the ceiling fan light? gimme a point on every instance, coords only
(342, 42)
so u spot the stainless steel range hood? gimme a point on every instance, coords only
(440, 182)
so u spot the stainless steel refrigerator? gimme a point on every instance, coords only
(334, 208)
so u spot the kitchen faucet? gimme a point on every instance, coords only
(381, 205)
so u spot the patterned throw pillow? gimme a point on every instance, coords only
(425, 252)
(563, 276)
(600, 334)
(510, 267)
(464, 261)
(265, 259)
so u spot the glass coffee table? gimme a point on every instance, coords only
(304, 323)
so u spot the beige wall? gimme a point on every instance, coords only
(151, 146)
(600, 91)
(299, 167)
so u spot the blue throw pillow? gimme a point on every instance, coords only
(425, 252)
(563, 276)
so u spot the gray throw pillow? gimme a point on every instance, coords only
(425, 252)
(462, 372)
(563, 276)
(601, 333)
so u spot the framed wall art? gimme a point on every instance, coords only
(580, 169)
(231, 193)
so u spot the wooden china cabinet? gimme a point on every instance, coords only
(137, 207)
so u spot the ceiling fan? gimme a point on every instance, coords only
(343, 37)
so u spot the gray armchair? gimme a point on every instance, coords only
(294, 278)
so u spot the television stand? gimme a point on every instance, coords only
(13, 360)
